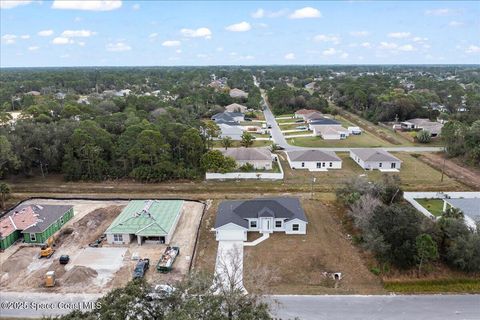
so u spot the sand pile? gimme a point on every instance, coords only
(79, 275)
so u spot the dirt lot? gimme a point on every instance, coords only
(93, 270)
(294, 264)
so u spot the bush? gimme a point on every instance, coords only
(247, 167)
(424, 136)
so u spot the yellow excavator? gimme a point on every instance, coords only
(47, 249)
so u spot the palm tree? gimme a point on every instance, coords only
(4, 192)
(226, 142)
(453, 213)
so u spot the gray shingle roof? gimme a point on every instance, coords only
(374, 155)
(469, 207)
(324, 121)
(246, 154)
(47, 215)
(312, 155)
(238, 211)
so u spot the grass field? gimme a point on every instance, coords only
(364, 140)
(285, 115)
(280, 121)
(292, 126)
(434, 206)
(434, 286)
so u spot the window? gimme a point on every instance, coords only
(323, 164)
(394, 165)
(33, 237)
(319, 165)
(380, 165)
(303, 164)
(278, 224)
(61, 220)
(330, 164)
(295, 227)
(118, 237)
(253, 224)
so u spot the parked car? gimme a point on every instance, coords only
(141, 267)
(64, 259)
(269, 126)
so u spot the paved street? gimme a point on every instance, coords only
(279, 139)
(418, 307)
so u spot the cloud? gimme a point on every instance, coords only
(171, 43)
(6, 4)
(202, 56)
(197, 33)
(45, 33)
(304, 13)
(178, 51)
(344, 55)
(25, 36)
(153, 35)
(239, 27)
(366, 44)
(473, 49)
(9, 38)
(327, 38)
(77, 33)
(330, 52)
(87, 5)
(359, 33)
(219, 49)
(33, 48)
(419, 39)
(136, 7)
(455, 24)
(62, 40)
(81, 43)
(399, 35)
(289, 56)
(388, 45)
(406, 47)
(441, 12)
(118, 47)
(260, 13)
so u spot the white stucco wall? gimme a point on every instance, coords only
(231, 234)
(302, 227)
(126, 239)
(371, 165)
(312, 165)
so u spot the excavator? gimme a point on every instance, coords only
(47, 249)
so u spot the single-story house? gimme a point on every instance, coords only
(435, 128)
(260, 158)
(237, 93)
(370, 159)
(312, 116)
(235, 107)
(34, 223)
(230, 129)
(146, 220)
(323, 122)
(302, 112)
(330, 132)
(313, 160)
(228, 117)
(235, 218)
(469, 206)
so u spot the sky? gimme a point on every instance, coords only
(162, 33)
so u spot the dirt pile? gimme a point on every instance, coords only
(89, 228)
(78, 275)
(19, 260)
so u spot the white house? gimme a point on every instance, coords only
(312, 116)
(433, 127)
(260, 158)
(236, 218)
(370, 159)
(313, 160)
(334, 132)
(231, 130)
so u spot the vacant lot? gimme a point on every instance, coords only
(365, 139)
(434, 206)
(94, 270)
(296, 264)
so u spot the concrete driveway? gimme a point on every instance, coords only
(229, 264)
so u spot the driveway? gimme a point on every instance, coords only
(280, 140)
(229, 264)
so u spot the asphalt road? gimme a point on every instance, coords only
(413, 307)
(280, 140)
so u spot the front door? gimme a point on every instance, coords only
(267, 225)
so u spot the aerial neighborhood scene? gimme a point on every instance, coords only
(239, 160)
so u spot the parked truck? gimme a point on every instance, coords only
(167, 259)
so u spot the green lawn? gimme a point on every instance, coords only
(364, 140)
(434, 286)
(280, 121)
(285, 115)
(297, 133)
(435, 206)
(292, 126)
(259, 135)
(251, 123)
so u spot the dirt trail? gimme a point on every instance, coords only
(466, 175)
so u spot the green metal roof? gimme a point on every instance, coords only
(147, 217)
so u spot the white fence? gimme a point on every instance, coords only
(247, 175)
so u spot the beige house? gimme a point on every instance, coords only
(260, 158)
(237, 93)
(235, 107)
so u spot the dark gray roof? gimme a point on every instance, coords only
(239, 210)
(47, 214)
(312, 155)
(226, 116)
(324, 121)
(469, 207)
